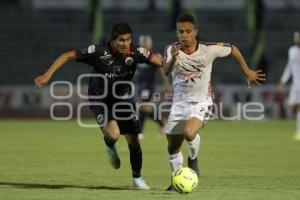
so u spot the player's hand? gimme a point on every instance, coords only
(255, 76)
(41, 80)
(175, 50)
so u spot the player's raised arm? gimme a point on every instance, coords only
(58, 63)
(250, 75)
(147, 56)
(170, 58)
(156, 60)
(146, 45)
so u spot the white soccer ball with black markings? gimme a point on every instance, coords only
(184, 180)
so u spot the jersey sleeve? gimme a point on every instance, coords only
(167, 54)
(144, 55)
(86, 55)
(219, 50)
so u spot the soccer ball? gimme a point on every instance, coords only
(184, 180)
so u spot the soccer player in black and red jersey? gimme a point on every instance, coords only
(116, 61)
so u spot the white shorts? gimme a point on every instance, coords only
(294, 96)
(182, 111)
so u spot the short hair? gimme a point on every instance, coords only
(120, 29)
(186, 18)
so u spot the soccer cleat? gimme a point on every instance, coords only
(297, 137)
(139, 183)
(193, 164)
(113, 157)
(170, 188)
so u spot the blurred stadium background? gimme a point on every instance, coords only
(241, 160)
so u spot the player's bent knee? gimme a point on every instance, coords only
(113, 134)
(189, 133)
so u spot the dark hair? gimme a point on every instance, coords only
(119, 29)
(186, 18)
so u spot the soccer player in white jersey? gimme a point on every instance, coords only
(292, 69)
(190, 63)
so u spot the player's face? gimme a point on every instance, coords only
(122, 43)
(148, 43)
(186, 33)
(297, 38)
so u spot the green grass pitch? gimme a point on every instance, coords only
(59, 160)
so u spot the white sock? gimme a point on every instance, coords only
(176, 161)
(193, 147)
(298, 122)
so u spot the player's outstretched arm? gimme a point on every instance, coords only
(169, 65)
(59, 62)
(250, 75)
(156, 60)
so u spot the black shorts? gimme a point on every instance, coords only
(122, 111)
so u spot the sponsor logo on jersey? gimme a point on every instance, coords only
(118, 75)
(187, 75)
(107, 58)
(196, 64)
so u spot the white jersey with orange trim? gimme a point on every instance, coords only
(191, 74)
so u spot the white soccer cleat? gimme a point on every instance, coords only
(139, 183)
(113, 157)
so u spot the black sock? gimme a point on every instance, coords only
(110, 143)
(136, 159)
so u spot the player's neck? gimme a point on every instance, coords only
(191, 48)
